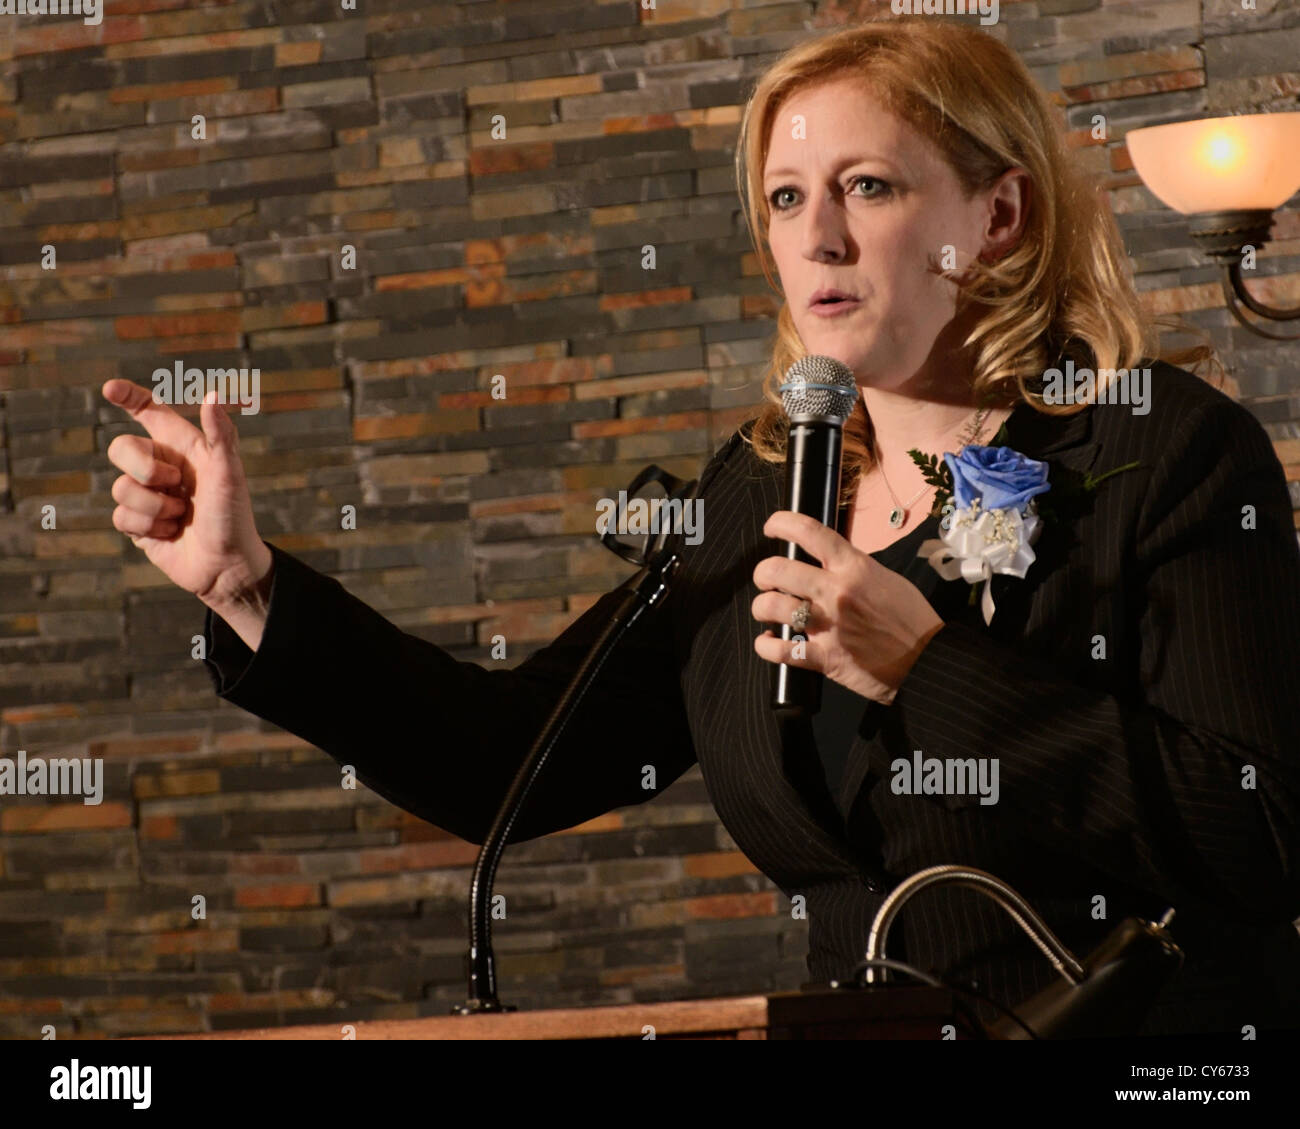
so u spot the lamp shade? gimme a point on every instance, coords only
(1251, 161)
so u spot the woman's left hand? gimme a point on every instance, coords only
(867, 626)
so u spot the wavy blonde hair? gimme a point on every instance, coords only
(1065, 290)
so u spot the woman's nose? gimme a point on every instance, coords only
(823, 234)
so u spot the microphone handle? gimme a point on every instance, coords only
(813, 459)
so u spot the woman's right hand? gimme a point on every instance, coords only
(184, 499)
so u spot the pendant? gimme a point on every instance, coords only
(897, 516)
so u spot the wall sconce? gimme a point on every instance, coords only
(1229, 174)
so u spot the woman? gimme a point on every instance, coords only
(1137, 688)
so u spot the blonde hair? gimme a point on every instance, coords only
(1064, 291)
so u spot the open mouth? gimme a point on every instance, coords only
(832, 297)
(833, 304)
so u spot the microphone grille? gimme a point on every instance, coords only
(819, 388)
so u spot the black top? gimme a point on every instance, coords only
(842, 710)
(834, 726)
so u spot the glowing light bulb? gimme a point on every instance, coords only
(1223, 151)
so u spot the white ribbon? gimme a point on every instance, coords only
(978, 544)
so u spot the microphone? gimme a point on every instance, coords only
(1123, 979)
(818, 395)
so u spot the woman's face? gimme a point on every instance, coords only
(862, 203)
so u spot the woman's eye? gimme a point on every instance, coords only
(772, 199)
(875, 180)
(775, 194)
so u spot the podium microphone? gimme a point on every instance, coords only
(1122, 981)
(1109, 993)
(818, 395)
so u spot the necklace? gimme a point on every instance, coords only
(898, 515)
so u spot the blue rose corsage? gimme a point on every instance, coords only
(987, 497)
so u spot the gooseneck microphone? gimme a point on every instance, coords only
(818, 395)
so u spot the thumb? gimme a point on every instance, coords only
(217, 428)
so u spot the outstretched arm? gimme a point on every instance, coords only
(444, 738)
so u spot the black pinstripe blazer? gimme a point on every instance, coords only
(1164, 774)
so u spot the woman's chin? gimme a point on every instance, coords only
(848, 351)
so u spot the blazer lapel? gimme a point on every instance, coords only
(1066, 439)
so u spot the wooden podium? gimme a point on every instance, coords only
(885, 1012)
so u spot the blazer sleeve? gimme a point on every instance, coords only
(1157, 790)
(443, 738)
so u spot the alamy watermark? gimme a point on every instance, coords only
(647, 516)
(181, 385)
(91, 11)
(951, 776)
(101, 1083)
(75, 776)
(1130, 386)
(988, 12)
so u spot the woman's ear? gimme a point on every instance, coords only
(1007, 202)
